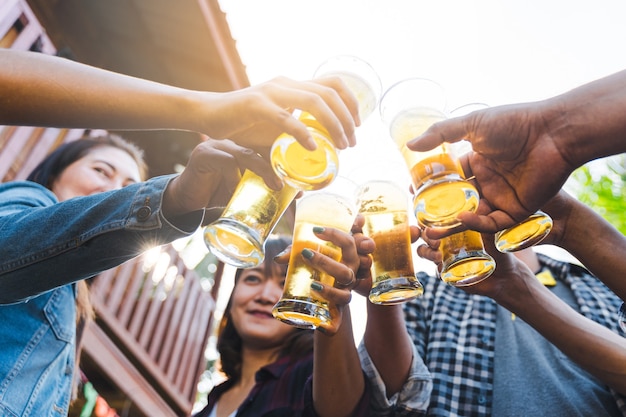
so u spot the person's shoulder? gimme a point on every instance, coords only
(25, 193)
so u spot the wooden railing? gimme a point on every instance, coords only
(158, 314)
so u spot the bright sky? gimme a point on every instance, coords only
(495, 51)
(491, 51)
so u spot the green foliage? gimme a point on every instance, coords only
(604, 190)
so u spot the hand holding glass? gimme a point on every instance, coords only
(334, 207)
(238, 236)
(465, 261)
(313, 170)
(410, 107)
(530, 231)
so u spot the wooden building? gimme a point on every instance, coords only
(145, 352)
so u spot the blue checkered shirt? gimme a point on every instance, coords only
(463, 371)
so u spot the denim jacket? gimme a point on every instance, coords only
(46, 247)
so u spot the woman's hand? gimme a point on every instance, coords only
(344, 272)
(255, 116)
(211, 176)
(510, 272)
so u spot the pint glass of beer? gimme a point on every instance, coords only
(385, 207)
(238, 236)
(334, 206)
(523, 235)
(409, 108)
(313, 170)
(465, 261)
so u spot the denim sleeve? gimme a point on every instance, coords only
(412, 400)
(47, 244)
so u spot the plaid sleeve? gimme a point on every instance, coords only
(412, 400)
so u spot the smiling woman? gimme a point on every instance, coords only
(40, 336)
(269, 364)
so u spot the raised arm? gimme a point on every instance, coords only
(44, 90)
(523, 153)
(339, 387)
(585, 234)
(592, 346)
(514, 286)
(387, 350)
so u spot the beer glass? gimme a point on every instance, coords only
(238, 236)
(409, 108)
(465, 261)
(336, 207)
(385, 207)
(384, 204)
(313, 170)
(523, 235)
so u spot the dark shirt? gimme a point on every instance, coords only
(282, 389)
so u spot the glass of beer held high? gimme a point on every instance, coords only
(336, 207)
(313, 170)
(238, 236)
(525, 234)
(465, 261)
(384, 203)
(409, 108)
(384, 206)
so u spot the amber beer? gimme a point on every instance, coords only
(238, 236)
(314, 170)
(465, 261)
(441, 191)
(384, 207)
(529, 232)
(300, 167)
(298, 306)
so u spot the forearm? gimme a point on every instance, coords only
(597, 244)
(388, 345)
(592, 346)
(588, 120)
(49, 245)
(42, 90)
(338, 381)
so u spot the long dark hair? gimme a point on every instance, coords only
(55, 163)
(48, 170)
(229, 343)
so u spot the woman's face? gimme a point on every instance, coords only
(253, 297)
(104, 168)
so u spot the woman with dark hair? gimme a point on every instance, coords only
(270, 365)
(229, 343)
(274, 369)
(48, 171)
(85, 212)
(38, 324)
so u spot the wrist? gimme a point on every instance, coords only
(588, 120)
(563, 119)
(193, 110)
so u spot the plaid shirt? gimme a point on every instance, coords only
(463, 371)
